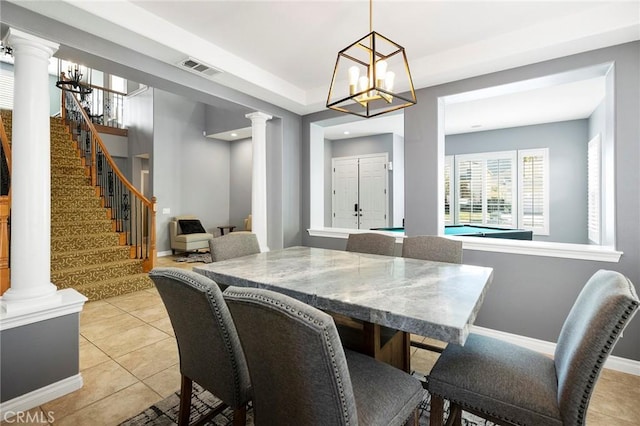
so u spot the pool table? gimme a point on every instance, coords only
(478, 231)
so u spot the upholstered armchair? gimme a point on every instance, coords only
(187, 234)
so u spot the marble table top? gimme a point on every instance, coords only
(433, 299)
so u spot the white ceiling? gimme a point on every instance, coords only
(284, 51)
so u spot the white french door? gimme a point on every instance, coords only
(360, 192)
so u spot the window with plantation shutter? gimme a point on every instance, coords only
(6, 90)
(533, 183)
(593, 190)
(500, 191)
(484, 188)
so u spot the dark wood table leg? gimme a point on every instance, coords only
(386, 345)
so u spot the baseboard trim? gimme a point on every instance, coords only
(40, 396)
(164, 253)
(617, 363)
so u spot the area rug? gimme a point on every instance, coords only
(166, 411)
(195, 257)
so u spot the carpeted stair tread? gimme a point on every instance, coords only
(74, 191)
(60, 179)
(64, 228)
(110, 288)
(73, 277)
(72, 214)
(67, 161)
(84, 242)
(76, 203)
(69, 259)
(68, 170)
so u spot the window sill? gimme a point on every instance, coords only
(501, 245)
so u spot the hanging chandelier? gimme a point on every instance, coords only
(366, 74)
(72, 81)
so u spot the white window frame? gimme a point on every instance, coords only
(594, 186)
(544, 153)
(449, 163)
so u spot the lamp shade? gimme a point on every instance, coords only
(365, 76)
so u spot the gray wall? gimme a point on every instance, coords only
(190, 172)
(240, 182)
(567, 143)
(139, 125)
(227, 117)
(530, 295)
(37, 355)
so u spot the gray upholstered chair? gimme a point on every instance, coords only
(303, 367)
(208, 344)
(233, 245)
(438, 249)
(509, 384)
(371, 243)
(431, 247)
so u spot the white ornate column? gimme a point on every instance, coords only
(259, 177)
(30, 180)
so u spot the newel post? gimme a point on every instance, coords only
(4, 244)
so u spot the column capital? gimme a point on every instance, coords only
(15, 38)
(258, 116)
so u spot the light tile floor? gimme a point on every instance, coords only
(129, 361)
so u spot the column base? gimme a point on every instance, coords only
(23, 301)
(15, 313)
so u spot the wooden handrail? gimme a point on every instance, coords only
(5, 144)
(4, 244)
(104, 89)
(5, 210)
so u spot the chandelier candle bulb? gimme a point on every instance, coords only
(389, 78)
(354, 74)
(381, 71)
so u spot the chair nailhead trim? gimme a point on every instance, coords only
(586, 395)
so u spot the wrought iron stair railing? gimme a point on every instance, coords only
(133, 214)
(5, 208)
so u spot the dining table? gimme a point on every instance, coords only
(383, 293)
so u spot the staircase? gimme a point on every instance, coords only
(87, 254)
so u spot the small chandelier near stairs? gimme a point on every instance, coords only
(72, 81)
(366, 73)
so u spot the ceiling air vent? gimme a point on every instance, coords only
(198, 67)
